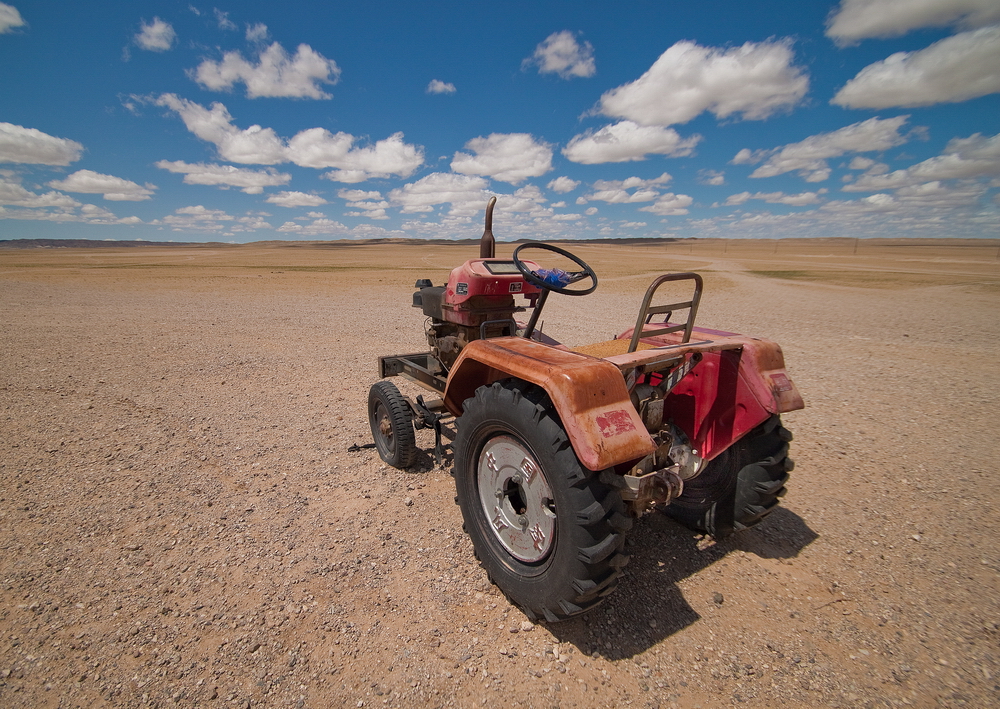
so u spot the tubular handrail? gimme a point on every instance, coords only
(646, 312)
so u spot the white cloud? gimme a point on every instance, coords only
(257, 33)
(861, 19)
(669, 205)
(754, 80)
(314, 147)
(318, 148)
(801, 199)
(249, 181)
(222, 18)
(213, 221)
(954, 69)
(275, 74)
(9, 18)
(509, 157)
(963, 159)
(113, 188)
(358, 195)
(561, 54)
(563, 184)
(591, 211)
(439, 87)
(466, 194)
(711, 177)
(808, 157)
(627, 141)
(157, 36)
(31, 146)
(14, 195)
(616, 191)
(295, 199)
(320, 226)
(20, 203)
(255, 145)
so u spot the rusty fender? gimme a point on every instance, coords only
(588, 393)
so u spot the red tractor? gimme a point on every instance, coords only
(558, 450)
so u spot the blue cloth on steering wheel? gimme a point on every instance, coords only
(555, 277)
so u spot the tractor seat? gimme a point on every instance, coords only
(609, 348)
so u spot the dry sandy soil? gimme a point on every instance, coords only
(181, 523)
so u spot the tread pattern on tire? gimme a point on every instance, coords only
(587, 558)
(401, 421)
(741, 486)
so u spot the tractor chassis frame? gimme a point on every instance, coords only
(417, 368)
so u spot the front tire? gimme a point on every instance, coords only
(741, 486)
(392, 425)
(548, 532)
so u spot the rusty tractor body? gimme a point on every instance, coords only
(558, 450)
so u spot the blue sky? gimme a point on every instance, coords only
(327, 120)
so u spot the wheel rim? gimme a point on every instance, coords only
(383, 426)
(516, 499)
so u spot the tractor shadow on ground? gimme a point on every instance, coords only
(648, 605)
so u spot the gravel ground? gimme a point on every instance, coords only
(181, 523)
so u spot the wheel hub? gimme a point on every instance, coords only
(516, 499)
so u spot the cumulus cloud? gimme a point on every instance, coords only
(257, 33)
(808, 157)
(276, 74)
(358, 195)
(13, 194)
(855, 20)
(222, 18)
(33, 147)
(157, 36)
(561, 54)
(801, 199)
(295, 199)
(711, 177)
(249, 181)
(617, 191)
(212, 221)
(963, 159)
(318, 148)
(954, 69)
(16, 202)
(563, 184)
(754, 80)
(509, 157)
(466, 194)
(10, 18)
(669, 205)
(314, 147)
(254, 145)
(439, 87)
(115, 189)
(627, 141)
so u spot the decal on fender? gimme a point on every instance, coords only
(615, 423)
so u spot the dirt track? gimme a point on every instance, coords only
(182, 523)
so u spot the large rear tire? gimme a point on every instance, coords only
(392, 425)
(548, 532)
(741, 486)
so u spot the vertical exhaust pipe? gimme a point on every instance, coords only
(487, 244)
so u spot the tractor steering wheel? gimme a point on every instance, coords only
(555, 280)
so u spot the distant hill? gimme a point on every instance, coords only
(97, 243)
(84, 243)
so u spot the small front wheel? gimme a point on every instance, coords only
(548, 532)
(391, 422)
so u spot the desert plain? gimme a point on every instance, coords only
(182, 522)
